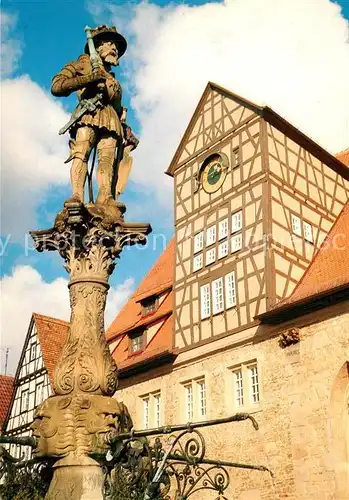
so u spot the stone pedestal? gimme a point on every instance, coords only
(75, 425)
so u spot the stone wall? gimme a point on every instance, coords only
(302, 414)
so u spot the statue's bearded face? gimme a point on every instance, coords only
(108, 52)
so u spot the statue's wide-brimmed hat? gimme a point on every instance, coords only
(105, 33)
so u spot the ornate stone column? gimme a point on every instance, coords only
(75, 425)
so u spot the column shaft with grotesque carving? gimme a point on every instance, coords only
(78, 422)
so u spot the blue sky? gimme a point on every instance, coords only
(290, 55)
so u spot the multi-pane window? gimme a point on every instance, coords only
(217, 296)
(137, 343)
(198, 242)
(254, 384)
(39, 396)
(195, 399)
(223, 249)
(25, 401)
(198, 262)
(246, 385)
(223, 229)
(296, 225)
(221, 293)
(146, 404)
(211, 235)
(149, 305)
(238, 388)
(189, 402)
(236, 222)
(308, 232)
(157, 409)
(32, 352)
(210, 256)
(151, 410)
(205, 296)
(236, 243)
(202, 397)
(230, 290)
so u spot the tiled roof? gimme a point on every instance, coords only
(159, 279)
(52, 334)
(344, 157)
(6, 391)
(160, 344)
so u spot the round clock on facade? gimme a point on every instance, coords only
(213, 173)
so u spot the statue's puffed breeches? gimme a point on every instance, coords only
(106, 144)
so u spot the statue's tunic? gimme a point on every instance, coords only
(74, 77)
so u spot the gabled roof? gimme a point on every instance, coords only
(271, 117)
(158, 280)
(52, 334)
(327, 277)
(6, 392)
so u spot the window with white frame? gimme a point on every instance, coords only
(25, 400)
(198, 262)
(210, 256)
(236, 221)
(32, 351)
(223, 229)
(205, 296)
(230, 290)
(151, 416)
(308, 232)
(195, 399)
(236, 242)
(223, 249)
(218, 296)
(146, 405)
(157, 409)
(236, 157)
(296, 225)
(198, 242)
(211, 235)
(246, 385)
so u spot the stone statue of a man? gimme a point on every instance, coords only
(102, 125)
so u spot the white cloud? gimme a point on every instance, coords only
(32, 153)
(291, 55)
(10, 49)
(25, 292)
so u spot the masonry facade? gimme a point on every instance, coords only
(260, 319)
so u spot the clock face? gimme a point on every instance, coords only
(213, 176)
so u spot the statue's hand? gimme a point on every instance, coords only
(97, 76)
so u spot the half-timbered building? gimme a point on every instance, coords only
(260, 303)
(34, 376)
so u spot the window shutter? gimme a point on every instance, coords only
(236, 222)
(296, 225)
(223, 229)
(205, 301)
(230, 290)
(217, 296)
(198, 242)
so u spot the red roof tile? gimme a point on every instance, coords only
(6, 391)
(344, 157)
(329, 268)
(159, 279)
(52, 334)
